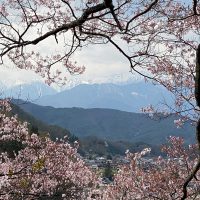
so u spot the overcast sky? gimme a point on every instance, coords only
(103, 64)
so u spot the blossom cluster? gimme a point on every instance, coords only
(43, 167)
(47, 169)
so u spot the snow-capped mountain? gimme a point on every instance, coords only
(122, 96)
(127, 97)
(30, 91)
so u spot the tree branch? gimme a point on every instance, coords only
(195, 7)
(110, 5)
(64, 27)
(142, 13)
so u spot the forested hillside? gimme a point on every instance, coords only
(88, 145)
(37, 126)
(111, 124)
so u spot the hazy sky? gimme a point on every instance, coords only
(103, 64)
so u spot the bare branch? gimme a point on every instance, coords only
(110, 5)
(141, 13)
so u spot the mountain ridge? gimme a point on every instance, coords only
(31, 91)
(88, 145)
(111, 124)
(127, 97)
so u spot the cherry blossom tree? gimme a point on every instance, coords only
(158, 38)
(161, 178)
(42, 168)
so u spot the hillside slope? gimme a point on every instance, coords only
(41, 127)
(111, 124)
(88, 145)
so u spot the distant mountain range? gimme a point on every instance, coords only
(128, 97)
(109, 124)
(31, 92)
(100, 119)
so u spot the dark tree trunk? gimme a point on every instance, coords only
(197, 97)
(197, 91)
